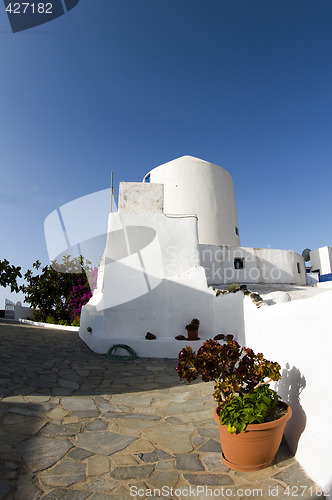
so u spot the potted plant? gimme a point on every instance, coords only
(250, 416)
(192, 329)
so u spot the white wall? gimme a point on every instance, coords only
(297, 335)
(325, 284)
(260, 265)
(321, 259)
(152, 281)
(194, 186)
(22, 312)
(312, 278)
(165, 313)
(329, 263)
(16, 310)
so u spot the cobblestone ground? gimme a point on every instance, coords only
(75, 425)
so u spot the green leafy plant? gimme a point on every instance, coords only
(9, 275)
(50, 319)
(238, 412)
(37, 316)
(241, 380)
(63, 322)
(233, 287)
(76, 321)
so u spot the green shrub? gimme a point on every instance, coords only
(246, 409)
(37, 315)
(233, 287)
(50, 288)
(63, 322)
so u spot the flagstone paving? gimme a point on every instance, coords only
(76, 426)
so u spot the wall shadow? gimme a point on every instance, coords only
(289, 388)
(38, 361)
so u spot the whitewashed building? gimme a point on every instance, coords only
(174, 235)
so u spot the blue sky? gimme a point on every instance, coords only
(125, 86)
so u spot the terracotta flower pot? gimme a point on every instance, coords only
(192, 334)
(254, 448)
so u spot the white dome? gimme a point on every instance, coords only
(195, 186)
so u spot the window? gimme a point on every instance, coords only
(298, 267)
(238, 263)
(236, 230)
(147, 178)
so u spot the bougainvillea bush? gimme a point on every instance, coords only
(58, 291)
(241, 380)
(81, 293)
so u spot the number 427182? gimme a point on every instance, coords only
(29, 8)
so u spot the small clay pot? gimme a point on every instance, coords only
(192, 334)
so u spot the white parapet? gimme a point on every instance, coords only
(140, 198)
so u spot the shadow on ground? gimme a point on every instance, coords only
(58, 363)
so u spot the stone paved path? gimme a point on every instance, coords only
(75, 425)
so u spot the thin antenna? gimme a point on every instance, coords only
(112, 191)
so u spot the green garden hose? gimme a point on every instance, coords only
(132, 353)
